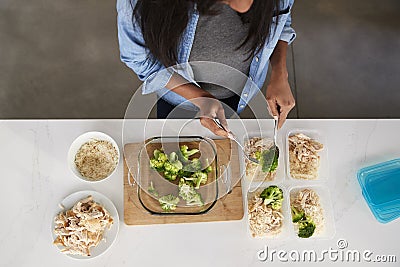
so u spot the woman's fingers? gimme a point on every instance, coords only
(285, 108)
(273, 107)
(222, 119)
(282, 119)
(213, 127)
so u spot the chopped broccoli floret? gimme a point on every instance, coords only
(306, 227)
(158, 161)
(152, 190)
(186, 190)
(157, 165)
(196, 200)
(268, 159)
(172, 168)
(198, 178)
(168, 202)
(173, 159)
(273, 196)
(306, 224)
(170, 176)
(157, 153)
(185, 153)
(193, 166)
(188, 193)
(297, 215)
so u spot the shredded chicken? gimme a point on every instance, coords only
(253, 170)
(263, 220)
(304, 159)
(96, 159)
(82, 227)
(308, 201)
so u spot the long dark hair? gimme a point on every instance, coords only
(162, 23)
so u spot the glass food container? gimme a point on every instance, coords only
(153, 184)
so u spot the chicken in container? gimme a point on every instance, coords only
(261, 149)
(304, 158)
(265, 212)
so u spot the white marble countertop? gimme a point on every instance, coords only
(35, 178)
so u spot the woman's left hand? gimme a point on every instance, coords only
(279, 98)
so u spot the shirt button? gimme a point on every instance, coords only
(257, 59)
(251, 78)
(245, 95)
(241, 106)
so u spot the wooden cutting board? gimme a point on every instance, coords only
(227, 208)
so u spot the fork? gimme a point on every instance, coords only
(233, 137)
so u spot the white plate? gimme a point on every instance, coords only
(109, 235)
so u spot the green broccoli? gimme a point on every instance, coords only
(193, 166)
(297, 215)
(198, 178)
(157, 165)
(170, 176)
(173, 159)
(185, 153)
(306, 227)
(268, 159)
(152, 190)
(195, 200)
(188, 193)
(157, 153)
(158, 161)
(171, 170)
(186, 190)
(273, 196)
(168, 202)
(306, 224)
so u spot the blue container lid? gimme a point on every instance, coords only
(381, 189)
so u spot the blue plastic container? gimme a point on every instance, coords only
(381, 189)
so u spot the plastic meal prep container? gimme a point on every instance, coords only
(280, 171)
(285, 232)
(324, 196)
(146, 175)
(323, 170)
(380, 186)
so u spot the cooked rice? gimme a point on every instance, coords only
(96, 159)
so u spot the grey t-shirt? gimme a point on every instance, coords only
(217, 39)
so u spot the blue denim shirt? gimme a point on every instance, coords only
(134, 53)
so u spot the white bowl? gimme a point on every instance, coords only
(76, 145)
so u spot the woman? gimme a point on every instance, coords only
(244, 34)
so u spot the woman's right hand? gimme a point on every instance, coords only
(210, 107)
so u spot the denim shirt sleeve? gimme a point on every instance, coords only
(134, 53)
(288, 34)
